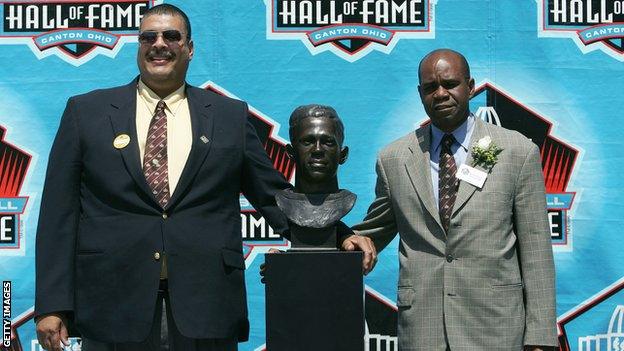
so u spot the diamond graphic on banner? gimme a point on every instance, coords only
(592, 24)
(350, 29)
(612, 340)
(381, 322)
(75, 31)
(13, 167)
(596, 324)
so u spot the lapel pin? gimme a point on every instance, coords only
(121, 141)
(204, 139)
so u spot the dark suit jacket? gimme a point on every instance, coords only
(99, 225)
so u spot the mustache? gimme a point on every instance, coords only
(160, 53)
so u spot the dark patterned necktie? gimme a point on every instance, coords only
(155, 159)
(447, 181)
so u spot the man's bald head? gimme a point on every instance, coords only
(445, 88)
(435, 55)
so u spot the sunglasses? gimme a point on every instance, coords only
(169, 36)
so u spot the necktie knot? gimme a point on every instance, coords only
(447, 142)
(160, 106)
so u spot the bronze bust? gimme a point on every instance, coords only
(317, 203)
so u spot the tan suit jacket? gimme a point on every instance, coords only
(487, 284)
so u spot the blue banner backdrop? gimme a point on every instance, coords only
(547, 68)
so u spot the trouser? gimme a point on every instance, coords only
(164, 335)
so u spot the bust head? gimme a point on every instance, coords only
(316, 137)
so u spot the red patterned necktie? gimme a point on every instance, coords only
(155, 159)
(447, 181)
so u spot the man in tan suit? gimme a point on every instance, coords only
(476, 263)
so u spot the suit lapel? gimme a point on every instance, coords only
(202, 125)
(419, 170)
(122, 115)
(466, 189)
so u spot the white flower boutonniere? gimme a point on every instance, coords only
(485, 153)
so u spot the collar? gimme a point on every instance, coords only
(151, 98)
(461, 134)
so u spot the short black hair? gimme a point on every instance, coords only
(172, 10)
(314, 110)
(438, 51)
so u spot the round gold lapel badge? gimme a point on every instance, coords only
(121, 141)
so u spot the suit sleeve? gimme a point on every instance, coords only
(535, 252)
(261, 181)
(58, 220)
(379, 224)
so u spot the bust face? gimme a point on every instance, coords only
(317, 150)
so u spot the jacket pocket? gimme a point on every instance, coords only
(506, 287)
(233, 258)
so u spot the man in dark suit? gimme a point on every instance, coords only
(141, 206)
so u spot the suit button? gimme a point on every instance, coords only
(156, 255)
(449, 258)
(164, 215)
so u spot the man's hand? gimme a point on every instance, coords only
(263, 265)
(364, 244)
(51, 331)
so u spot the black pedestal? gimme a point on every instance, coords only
(314, 301)
(309, 239)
